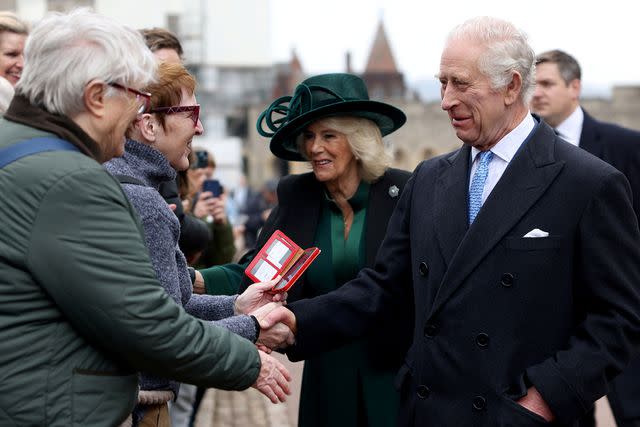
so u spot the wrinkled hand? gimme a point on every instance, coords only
(273, 380)
(198, 285)
(535, 403)
(256, 296)
(276, 337)
(279, 315)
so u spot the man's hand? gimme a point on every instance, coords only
(256, 296)
(273, 380)
(276, 337)
(534, 402)
(279, 315)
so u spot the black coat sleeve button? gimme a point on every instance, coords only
(430, 330)
(423, 269)
(479, 403)
(482, 339)
(423, 391)
(507, 280)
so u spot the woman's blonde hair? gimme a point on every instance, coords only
(365, 141)
(9, 22)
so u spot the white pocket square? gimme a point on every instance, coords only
(536, 233)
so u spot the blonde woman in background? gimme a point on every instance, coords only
(13, 34)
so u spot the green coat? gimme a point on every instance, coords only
(80, 307)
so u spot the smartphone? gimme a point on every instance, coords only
(202, 159)
(212, 185)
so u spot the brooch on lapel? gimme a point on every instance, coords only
(394, 191)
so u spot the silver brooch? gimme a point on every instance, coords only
(394, 191)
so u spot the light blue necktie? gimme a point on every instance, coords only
(477, 185)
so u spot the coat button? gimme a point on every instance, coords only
(507, 280)
(424, 269)
(482, 339)
(430, 330)
(423, 391)
(479, 403)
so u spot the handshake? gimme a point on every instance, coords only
(277, 331)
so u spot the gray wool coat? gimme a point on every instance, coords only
(162, 231)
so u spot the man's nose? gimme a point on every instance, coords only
(448, 98)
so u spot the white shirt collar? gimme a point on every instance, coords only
(507, 147)
(571, 128)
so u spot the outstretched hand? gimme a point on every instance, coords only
(257, 295)
(273, 380)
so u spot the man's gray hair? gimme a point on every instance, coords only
(67, 51)
(508, 50)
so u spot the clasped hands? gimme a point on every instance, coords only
(273, 379)
(259, 302)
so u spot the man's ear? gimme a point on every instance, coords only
(513, 89)
(94, 98)
(148, 126)
(575, 86)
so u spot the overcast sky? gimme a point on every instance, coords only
(604, 37)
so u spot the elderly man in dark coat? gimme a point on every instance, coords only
(519, 254)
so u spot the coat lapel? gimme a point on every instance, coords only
(451, 193)
(525, 180)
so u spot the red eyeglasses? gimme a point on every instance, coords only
(193, 109)
(144, 98)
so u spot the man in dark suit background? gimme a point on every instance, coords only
(519, 255)
(557, 100)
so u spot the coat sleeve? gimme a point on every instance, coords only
(606, 293)
(223, 279)
(87, 254)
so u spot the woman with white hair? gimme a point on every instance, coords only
(82, 310)
(343, 207)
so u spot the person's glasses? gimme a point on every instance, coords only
(193, 109)
(143, 98)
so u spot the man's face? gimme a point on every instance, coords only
(553, 99)
(121, 110)
(476, 111)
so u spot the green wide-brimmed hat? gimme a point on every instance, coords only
(325, 95)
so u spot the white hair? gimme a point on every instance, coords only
(508, 50)
(67, 51)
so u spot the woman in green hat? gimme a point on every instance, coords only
(342, 207)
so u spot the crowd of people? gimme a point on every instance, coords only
(497, 285)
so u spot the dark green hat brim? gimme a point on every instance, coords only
(387, 117)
